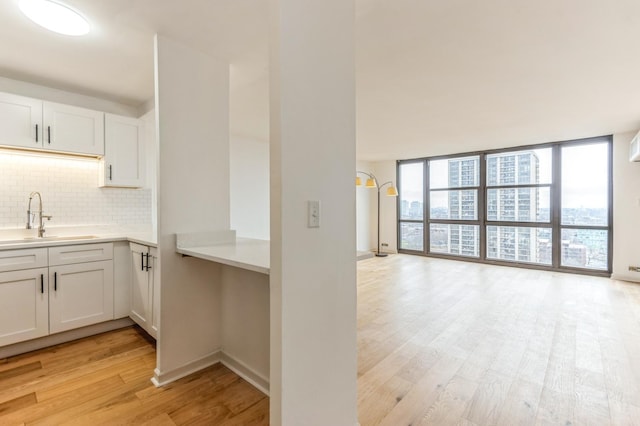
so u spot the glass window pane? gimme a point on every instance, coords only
(531, 166)
(412, 236)
(519, 244)
(585, 185)
(454, 172)
(411, 190)
(585, 248)
(462, 204)
(460, 240)
(519, 204)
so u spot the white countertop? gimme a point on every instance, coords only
(244, 253)
(20, 239)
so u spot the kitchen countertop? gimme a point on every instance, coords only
(244, 253)
(21, 239)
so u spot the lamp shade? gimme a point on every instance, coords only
(371, 183)
(358, 181)
(392, 191)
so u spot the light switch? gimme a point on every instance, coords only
(313, 220)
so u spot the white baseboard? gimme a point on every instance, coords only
(162, 378)
(622, 277)
(257, 380)
(241, 369)
(64, 337)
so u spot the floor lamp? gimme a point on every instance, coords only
(372, 182)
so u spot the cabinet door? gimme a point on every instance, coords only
(123, 152)
(141, 292)
(71, 129)
(24, 306)
(155, 293)
(80, 294)
(20, 121)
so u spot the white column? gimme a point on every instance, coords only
(192, 115)
(313, 270)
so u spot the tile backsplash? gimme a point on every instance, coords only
(70, 192)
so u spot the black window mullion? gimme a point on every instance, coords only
(455, 188)
(590, 227)
(524, 185)
(482, 209)
(556, 191)
(398, 207)
(427, 208)
(610, 224)
(519, 224)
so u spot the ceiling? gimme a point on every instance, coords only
(432, 77)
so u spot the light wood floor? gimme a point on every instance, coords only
(440, 342)
(454, 343)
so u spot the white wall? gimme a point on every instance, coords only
(626, 210)
(193, 195)
(249, 174)
(151, 162)
(245, 321)
(313, 270)
(385, 171)
(70, 193)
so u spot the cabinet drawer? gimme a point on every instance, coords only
(13, 260)
(66, 255)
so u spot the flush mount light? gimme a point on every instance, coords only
(55, 16)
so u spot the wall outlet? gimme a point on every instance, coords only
(634, 268)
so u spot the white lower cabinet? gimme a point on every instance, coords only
(145, 293)
(80, 285)
(80, 294)
(24, 305)
(75, 290)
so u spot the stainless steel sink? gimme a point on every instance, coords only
(49, 238)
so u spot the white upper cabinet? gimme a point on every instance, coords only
(72, 129)
(20, 121)
(35, 124)
(123, 163)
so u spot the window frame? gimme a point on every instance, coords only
(400, 221)
(555, 189)
(479, 199)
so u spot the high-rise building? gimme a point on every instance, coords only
(512, 205)
(463, 239)
(504, 204)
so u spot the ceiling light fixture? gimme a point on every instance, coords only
(55, 16)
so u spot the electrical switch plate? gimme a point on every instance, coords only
(313, 220)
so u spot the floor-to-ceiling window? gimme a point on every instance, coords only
(411, 205)
(454, 225)
(545, 206)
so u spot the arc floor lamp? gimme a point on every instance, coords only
(372, 182)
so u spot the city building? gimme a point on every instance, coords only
(503, 205)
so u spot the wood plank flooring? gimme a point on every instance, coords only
(105, 379)
(454, 343)
(440, 343)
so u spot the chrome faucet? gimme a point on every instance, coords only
(31, 215)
